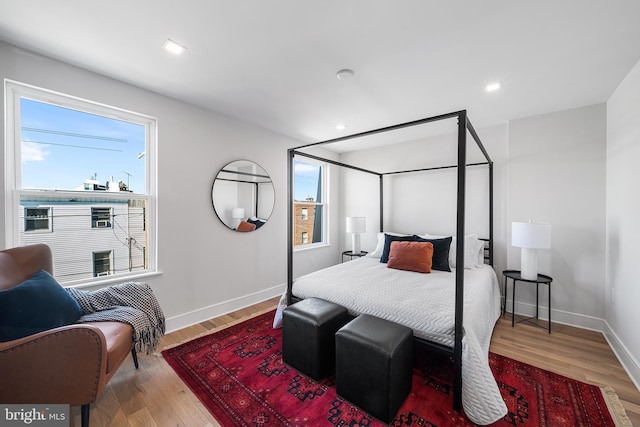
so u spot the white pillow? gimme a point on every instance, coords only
(432, 236)
(473, 250)
(377, 253)
(481, 244)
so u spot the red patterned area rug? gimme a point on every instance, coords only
(239, 376)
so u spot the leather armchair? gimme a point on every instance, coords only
(70, 364)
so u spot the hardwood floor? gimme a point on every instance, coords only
(153, 395)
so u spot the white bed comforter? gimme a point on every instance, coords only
(426, 304)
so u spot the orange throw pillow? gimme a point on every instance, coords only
(246, 226)
(411, 256)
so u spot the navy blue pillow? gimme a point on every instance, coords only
(35, 305)
(440, 260)
(388, 238)
(258, 223)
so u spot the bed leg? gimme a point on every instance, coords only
(457, 386)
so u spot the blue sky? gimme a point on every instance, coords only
(306, 180)
(61, 148)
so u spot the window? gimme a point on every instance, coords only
(310, 208)
(36, 219)
(91, 165)
(101, 263)
(101, 218)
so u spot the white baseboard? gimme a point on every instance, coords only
(560, 316)
(626, 359)
(202, 314)
(628, 362)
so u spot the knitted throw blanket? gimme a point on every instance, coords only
(132, 303)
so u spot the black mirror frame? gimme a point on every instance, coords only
(253, 179)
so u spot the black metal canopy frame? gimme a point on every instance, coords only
(464, 125)
(255, 183)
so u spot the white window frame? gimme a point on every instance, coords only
(324, 204)
(13, 173)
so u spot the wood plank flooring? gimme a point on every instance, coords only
(153, 395)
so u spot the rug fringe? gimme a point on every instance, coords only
(214, 330)
(617, 411)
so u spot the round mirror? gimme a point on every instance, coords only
(243, 195)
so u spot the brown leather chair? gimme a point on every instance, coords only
(70, 364)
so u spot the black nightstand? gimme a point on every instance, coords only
(515, 276)
(352, 255)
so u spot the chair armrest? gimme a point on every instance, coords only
(61, 365)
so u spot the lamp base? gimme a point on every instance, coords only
(529, 263)
(355, 243)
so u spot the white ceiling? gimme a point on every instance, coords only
(273, 62)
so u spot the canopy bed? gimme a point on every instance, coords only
(432, 306)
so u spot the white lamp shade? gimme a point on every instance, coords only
(356, 224)
(237, 213)
(532, 235)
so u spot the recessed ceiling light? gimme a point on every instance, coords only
(173, 47)
(492, 87)
(340, 127)
(344, 74)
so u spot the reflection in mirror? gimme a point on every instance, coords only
(243, 195)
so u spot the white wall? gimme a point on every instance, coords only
(623, 227)
(206, 268)
(556, 174)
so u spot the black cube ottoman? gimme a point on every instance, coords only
(308, 336)
(374, 363)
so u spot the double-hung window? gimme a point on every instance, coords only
(80, 177)
(310, 206)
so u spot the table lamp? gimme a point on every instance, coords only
(530, 236)
(355, 226)
(238, 214)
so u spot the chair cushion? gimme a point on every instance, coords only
(35, 305)
(119, 340)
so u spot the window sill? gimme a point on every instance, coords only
(111, 280)
(310, 247)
